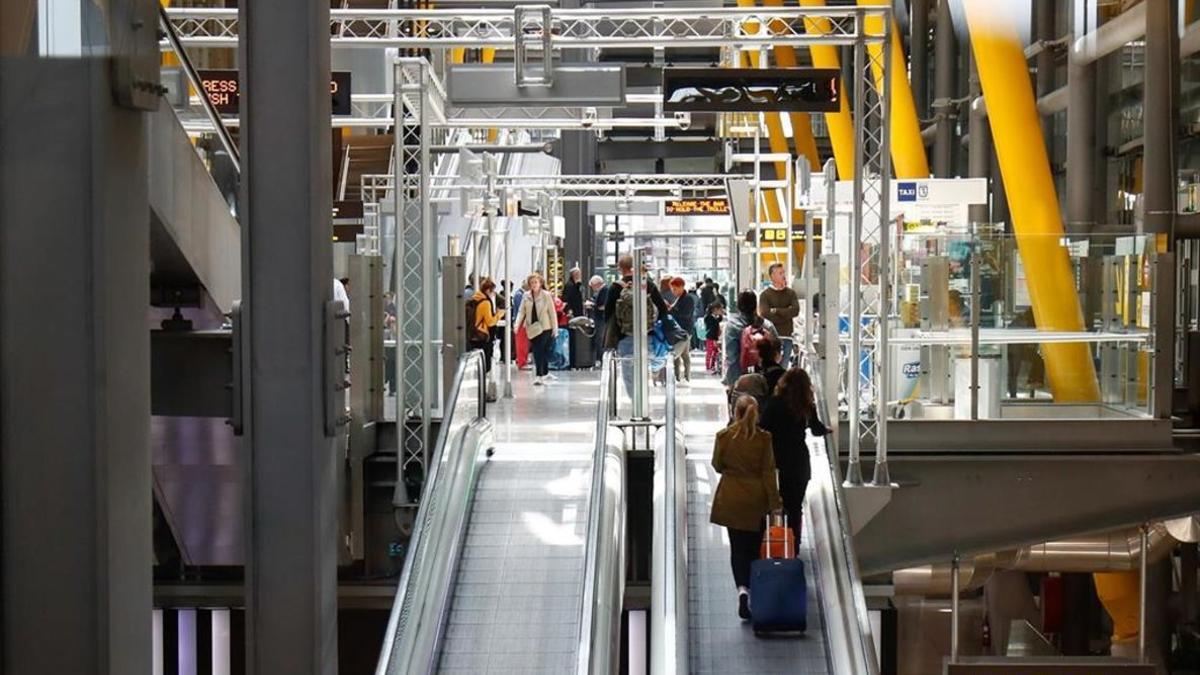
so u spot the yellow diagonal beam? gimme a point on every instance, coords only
(908, 150)
(840, 124)
(1025, 168)
(802, 136)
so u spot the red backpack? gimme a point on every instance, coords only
(748, 349)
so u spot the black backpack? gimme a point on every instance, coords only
(474, 334)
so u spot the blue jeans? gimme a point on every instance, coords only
(625, 350)
(785, 348)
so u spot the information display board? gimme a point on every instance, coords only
(223, 90)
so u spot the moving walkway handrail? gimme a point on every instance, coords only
(418, 615)
(210, 111)
(847, 620)
(668, 570)
(604, 558)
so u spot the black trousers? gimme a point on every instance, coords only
(488, 348)
(541, 346)
(792, 494)
(743, 550)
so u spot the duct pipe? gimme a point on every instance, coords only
(1119, 31)
(1044, 24)
(979, 145)
(945, 55)
(1113, 551)
(918, 49)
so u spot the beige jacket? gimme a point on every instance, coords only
(547, 320)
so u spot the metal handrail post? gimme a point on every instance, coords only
(1142, 566)
(640, 326)
(881, 365)
(954, 589)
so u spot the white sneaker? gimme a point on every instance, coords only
(537, 381)
(551, 376)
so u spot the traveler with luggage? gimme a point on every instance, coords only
(790, 410)
(482, 317)
(595, 306)
(618, 313)
(683, 310)
(538, 318)
(746, 493)
(779, 304)
(743, 331)
(713, 319)
(573, 292)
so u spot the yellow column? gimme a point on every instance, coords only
(908, 150)
(1017, 135)
(841, 126)
(802, 136)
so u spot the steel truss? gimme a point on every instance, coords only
(567, 188)
(569, 28)
(422, 119)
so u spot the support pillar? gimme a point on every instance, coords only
(918, 49)
(287, 277)
(1081, 139)
(75, 536)
(945, 55)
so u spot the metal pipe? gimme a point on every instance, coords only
(1159, 99)
(1044, 24)
(1142, 597)
(1117, 32)
(976, 298)
(979, 143)
(1081, 149)
(954, 609)
(882, 475)
(639, 339)
(945, 54)
(918, 49)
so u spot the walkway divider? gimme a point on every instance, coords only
(669, 554)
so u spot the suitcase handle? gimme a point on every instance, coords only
(789, 552)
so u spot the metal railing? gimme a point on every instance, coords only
(669, 555)
(415, 626)
(604, 559)
(851, 649)
(193, 78)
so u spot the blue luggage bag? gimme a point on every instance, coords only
(778, 596)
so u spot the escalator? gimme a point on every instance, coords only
(516, 562)
(702, 630)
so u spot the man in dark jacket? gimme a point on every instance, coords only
(683, 310)
(616, 337)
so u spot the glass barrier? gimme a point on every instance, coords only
(989, 325)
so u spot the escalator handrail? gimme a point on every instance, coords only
(414, 629)
(604, 557)
(668, 570)
(210, 111)
(844, 592)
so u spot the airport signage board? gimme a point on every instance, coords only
(718, 206)
(752, 89)
(223, 90)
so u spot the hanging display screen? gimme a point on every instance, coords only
(223, 90)
(697, 207)
(751, 89)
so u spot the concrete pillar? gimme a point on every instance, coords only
(75, 536)
(287, 279)
(1081, 139)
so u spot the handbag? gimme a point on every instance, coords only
(672, 332)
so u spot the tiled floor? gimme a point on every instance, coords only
(719, 641)
(516, 600)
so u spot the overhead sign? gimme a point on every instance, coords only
(223, 91)
(751, 89)
(778, 235)
(718, 206)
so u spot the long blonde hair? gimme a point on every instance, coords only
(745, 417)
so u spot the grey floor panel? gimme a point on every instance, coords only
(719, 642)
(516, 601)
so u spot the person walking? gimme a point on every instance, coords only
(618, 313)
(779, 304)
(746, 493)
(683, 310)
(573, 292)
(540, 322)
(596, 306)
(790, 410)
(769, 358)
(746, 320)
(713, 319)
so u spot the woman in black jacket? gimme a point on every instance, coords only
(788, 413)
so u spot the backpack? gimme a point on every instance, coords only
(624, 311)
(748, 349)
(474, 334)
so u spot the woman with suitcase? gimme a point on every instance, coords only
(790, 410)
(746, 493)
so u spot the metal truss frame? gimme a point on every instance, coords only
(568, 188)
(569, 28)
(422, 119)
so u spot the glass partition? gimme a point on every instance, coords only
(989, 325)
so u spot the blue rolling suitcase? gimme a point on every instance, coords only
(778, 595)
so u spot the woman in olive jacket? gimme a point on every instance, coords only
(747, 492)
